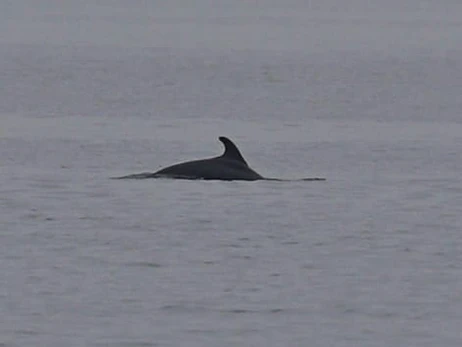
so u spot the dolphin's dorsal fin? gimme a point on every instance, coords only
(231, 151)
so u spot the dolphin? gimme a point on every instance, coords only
(229, 166)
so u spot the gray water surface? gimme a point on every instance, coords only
(365, 94)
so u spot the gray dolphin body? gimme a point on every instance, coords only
(229, 166)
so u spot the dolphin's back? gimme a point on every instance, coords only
(218, 168)
(229, 166)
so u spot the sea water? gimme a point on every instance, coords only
(364, 93)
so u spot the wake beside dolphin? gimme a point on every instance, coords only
(229, 166)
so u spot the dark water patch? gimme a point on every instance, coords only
(349, 310)
(382, 314)
(252, 290)
(133, 301)
(145, 264)
(402, 231)
(38, 216)
(290, 243)
(241, 311)
(128, 343)
(27, 332)
(247, 257)
(276, 310)
(203, 331)
(184, 308)
(96, 218)
(234, 245)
